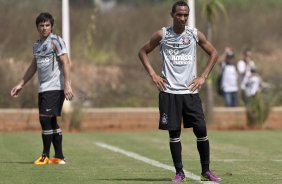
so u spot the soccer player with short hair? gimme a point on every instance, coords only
(50, 59)
(179, 85)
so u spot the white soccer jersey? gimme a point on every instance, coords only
(50, 69)
(178, 55)
(242, 68)
(251, 85)
(229, 81)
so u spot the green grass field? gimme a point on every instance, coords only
(239, 157)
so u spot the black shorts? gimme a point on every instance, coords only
(174, 107)
(51, 102)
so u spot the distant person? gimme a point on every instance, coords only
(179, 85)
(50, 59)
(244, 67)
(251, 84)
(229, 78)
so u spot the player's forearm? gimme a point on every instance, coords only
(149, 68)
(211, 62)
(67, 79)
(66, 67)
(146, 63)
(28, 74)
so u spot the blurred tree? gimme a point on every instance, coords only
(141, 2)
(84, 3)
(210, 10)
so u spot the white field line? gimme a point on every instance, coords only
(244, 160)
(150, 161)
(276, 160)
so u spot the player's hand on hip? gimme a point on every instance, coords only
(196, 84)
(160, 82)
(15, 91)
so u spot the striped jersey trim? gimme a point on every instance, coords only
(58, 41)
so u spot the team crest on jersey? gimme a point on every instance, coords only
(185, 41)
(164, 118)
(44, 48)
(168, 32)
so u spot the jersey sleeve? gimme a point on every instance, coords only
(34, 48)
(164, 29)
(59, 46)
(195, 34)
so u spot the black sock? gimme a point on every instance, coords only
(176, 149)
(47, 139)
(204, 151)
(47, 134)
(57, 139)
(57, 143)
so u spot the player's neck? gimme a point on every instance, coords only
(178, 30)
(43, 38)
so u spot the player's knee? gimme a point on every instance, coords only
(200, 131)
(45, 122)
(54, 123)
(174, 133)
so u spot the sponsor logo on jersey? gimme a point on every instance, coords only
(43, 60)
(179, 59)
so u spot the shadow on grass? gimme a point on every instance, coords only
(15, 162)
(134, 179)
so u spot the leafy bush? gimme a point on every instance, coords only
(76, 119)
(258, 109)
